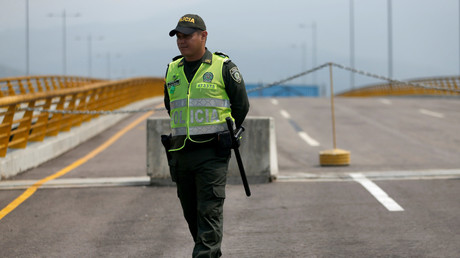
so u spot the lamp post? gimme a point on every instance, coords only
(304, 60)
(303, 57)
(64, 16)
(90, 40)
(27, 39)
(352, 43)
(314, 41)
(108, 59)
(108, 66)
(390, 42)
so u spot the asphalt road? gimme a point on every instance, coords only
(405, 150)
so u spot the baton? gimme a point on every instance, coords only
(235, 146)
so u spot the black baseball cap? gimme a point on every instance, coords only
(188, 24)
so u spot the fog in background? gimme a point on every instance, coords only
(268, 40)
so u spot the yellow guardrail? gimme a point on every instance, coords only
(439, 86)
(30, 84)
(23, 97)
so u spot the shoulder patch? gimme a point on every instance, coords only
(177, 57)
(221, 54)
(236, 75)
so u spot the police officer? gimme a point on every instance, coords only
(201, 90)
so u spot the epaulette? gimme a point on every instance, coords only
(223, 55)
(177, 57)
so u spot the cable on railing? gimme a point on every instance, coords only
(91, 112)
(391, 80)
(368, 74)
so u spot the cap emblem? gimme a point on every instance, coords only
(187, 19)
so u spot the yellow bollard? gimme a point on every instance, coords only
(334, 157)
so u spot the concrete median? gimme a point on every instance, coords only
(258, 151)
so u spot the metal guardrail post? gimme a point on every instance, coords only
(38, 131)
(54, 124)
(21, 133)
(5, 129)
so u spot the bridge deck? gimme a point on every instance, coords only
(310, 211)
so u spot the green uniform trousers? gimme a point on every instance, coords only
(201, 176)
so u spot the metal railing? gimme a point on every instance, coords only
(12, 86)
(438, 86)
(24, 102)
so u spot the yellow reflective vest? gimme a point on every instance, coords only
(198, 107)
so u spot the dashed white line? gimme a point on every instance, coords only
(303, 135)
(308, 139)
(274, 101)
(285, 114)
(431, 113)
(377, 192)
(385, 101)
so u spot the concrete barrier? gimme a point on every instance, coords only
(258, 151)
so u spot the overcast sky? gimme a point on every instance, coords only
(264, 38)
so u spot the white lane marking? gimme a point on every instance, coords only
(285, 114)
(308, 139)
(431, 113)
(385, 101)
(302, 134)
(78, 182)
(398, 175)
(377, 192)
